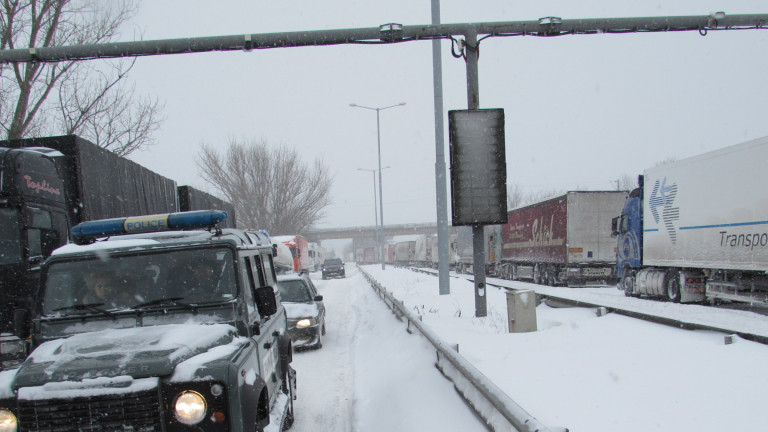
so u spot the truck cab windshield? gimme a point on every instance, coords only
(179, 277)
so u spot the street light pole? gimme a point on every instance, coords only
(375, 209)
(381, 196)
(375, 205)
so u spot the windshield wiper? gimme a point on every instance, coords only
(169, 301)
(92, 307)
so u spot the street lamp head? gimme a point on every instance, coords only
(377, 109)
(374, 169)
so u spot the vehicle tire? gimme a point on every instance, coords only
(627, 282)
(626, 285)
(288, 418)
(537, 274)
(672, 285)
(551, 278)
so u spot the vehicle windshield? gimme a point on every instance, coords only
(183, 277)
(10, 237)
(333, 261)
(294, 291)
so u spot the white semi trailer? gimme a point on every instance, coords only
(697, 228)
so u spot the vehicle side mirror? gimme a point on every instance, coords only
(21, 323)
(266, 302)
(318, 298)
(615, 227)
(50, 241)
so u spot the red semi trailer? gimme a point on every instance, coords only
(562, 241)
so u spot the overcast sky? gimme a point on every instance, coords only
(580, 111)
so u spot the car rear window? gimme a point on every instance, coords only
(294, 291)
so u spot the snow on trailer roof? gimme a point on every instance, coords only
(404, 238)
(44, 150)
(717, 154)
(285, 238)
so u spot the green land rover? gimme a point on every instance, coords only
(174, 328)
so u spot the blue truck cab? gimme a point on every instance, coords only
(628, 229)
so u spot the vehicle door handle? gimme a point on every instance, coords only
(268, 345)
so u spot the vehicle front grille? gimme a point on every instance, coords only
(596, 271)
(139, 412)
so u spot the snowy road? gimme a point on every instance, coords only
(356, 382)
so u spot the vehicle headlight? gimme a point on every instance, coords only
(8, 422)
(189, 408)
(305, 322)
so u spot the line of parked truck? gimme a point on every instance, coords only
(694, 230)
(545, 242)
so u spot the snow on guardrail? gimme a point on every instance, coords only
(496, 408)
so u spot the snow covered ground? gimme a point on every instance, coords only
(371, 375)
(580, 371)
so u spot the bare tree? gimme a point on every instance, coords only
(626, 182)
(271, 188)
(668, 161)
(516, 197)
(91, 101)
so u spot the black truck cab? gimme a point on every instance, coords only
(33, 222)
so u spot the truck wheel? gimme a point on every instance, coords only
(627, 282)
(673, 287)
(551, 279)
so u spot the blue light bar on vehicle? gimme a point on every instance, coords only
(151, 223)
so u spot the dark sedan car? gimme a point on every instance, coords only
(333, 267)
(304, 309)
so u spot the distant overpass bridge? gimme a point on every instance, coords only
(369, 231)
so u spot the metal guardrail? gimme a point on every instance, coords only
(496, 408)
